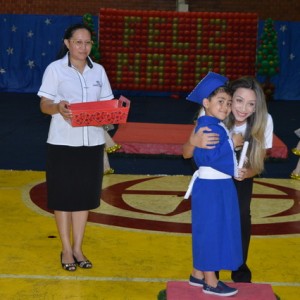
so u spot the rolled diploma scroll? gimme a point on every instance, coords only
(243, 154)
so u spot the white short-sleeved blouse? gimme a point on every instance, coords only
(61, 81)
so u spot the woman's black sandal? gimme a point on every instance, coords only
(71, 267)
(84, 264)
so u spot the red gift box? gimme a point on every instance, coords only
(98, 113)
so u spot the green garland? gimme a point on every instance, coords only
(88, 20)
(267, 60)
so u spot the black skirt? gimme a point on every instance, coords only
(74, 177)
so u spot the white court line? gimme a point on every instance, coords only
(118, 279)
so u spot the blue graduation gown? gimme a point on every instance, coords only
(216, 235)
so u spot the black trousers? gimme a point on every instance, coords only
(244, 190)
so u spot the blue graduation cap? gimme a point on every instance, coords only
(206, 86)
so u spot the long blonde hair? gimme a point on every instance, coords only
(256, 123)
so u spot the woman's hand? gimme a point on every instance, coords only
(242, 174)
(204, 139)
(63, 109)
(50, 107)
(200, 139)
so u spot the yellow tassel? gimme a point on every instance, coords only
(296, 151)
(109, 171)
(114, 148)
(295, 176)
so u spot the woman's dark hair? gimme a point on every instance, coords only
(68, 34)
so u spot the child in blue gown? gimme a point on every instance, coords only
(216, 236)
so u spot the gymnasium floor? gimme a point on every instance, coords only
(138, 239)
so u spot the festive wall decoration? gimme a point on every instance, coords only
(172, 51)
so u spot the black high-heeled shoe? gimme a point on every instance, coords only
(84, 264)
(71, 267)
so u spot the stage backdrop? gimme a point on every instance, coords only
(170, 44)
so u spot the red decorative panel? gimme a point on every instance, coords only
(172, 51)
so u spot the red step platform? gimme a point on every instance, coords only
(167, 139)
(179, 290)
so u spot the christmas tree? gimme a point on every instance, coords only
(88, 21)
(267, 61)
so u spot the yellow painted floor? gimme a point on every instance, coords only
(131, 262)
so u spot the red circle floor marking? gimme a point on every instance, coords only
(113, 195)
